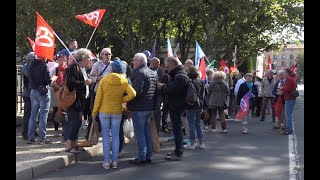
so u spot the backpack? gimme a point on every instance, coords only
(191, 96)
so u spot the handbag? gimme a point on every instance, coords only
(65, 97)
(42, 89)
(295, 93)
(94, 133)
(60, 117)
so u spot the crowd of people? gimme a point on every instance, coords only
(149, 89)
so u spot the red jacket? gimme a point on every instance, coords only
(289, 87)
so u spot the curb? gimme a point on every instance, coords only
(28, 171)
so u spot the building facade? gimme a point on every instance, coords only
(284, 58)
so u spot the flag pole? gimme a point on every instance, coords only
(65, 47)
(91, 36)
(175, 51)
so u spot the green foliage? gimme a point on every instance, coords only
(300, 67)
(130, 26)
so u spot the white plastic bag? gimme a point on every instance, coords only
(128, 130)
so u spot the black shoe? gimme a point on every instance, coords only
(148, 161)
(31, 141)
(136, 161)
(46, 141)
(166, 130)
(262, 119)
(227, 117)
(173, 157)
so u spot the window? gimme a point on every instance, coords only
(291, 63)
(291, 56)
(275, 57)
(283, 63)
(283, 56)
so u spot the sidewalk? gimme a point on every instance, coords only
(35, 160)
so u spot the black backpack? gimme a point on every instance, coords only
(191, 96)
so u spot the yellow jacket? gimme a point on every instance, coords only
(110, 94)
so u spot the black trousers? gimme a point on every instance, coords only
(26, 115)
(75, 119)
(176, 119)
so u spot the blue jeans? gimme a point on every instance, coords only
(106, 120)
(289, 104)
(142, 130)
(66, 129)
(38, 103)
(176, 120)
(194, 118)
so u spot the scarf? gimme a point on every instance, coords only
(249, 84)
(61, 71)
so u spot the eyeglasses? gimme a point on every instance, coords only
(107, 54)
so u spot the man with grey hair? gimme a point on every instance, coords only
(267, 87)
(176, 90)
(188, 63)
(144, 82)
(26, 95)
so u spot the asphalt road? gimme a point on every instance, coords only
(261, 154)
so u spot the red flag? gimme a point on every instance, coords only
(92, 18)
(222, 64)
(44, 42)
(32, 44)
(202, 69)
(244, 106)
(293, 68)
(269, 63)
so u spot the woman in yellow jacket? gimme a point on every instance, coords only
(113, 90)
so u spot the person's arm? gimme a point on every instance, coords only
(138, 83)
(289, 86)
(98, 99)
(130, 93)
(173, 87)
(71, 77)
(236, 88)
(275, 88)
(94, 72)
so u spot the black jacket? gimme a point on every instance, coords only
(75, 80)
(176, 89)
(144, 82)
(243, 89)
(38, 74)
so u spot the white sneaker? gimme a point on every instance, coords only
(244, 130)
(213, 130)
(200, 146)
(189, 146)
(106, 165)
(114, 165)
(223, 131)
(206, 127)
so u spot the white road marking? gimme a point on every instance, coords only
(294, 168)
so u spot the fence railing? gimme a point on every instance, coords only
(19, 89)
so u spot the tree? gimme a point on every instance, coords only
(300, 66)
(130, 26)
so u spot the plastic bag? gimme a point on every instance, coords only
(128, 129)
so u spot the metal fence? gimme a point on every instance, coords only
(19, 89)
